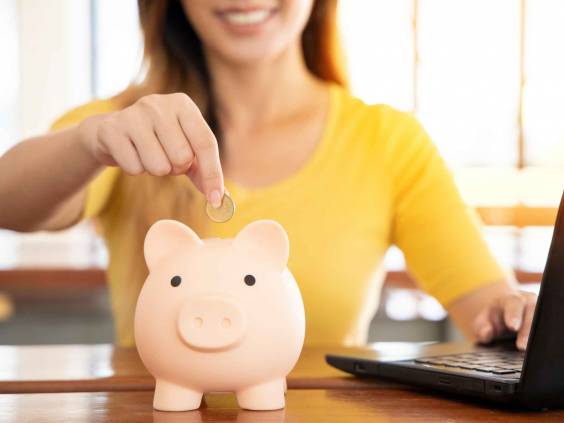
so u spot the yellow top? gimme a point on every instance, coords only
(375, 179)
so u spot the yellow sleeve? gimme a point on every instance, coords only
(99, 189)
(439, 236)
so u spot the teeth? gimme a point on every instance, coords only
(247, 18)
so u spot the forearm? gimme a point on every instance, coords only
(39, 176)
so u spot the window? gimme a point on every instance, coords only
(46, 46)
(9, 75)
(485, 80)
(117, 45)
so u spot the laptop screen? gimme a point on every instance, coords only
(543, 372)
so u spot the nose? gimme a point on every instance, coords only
(211, 324)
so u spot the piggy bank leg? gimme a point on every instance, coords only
(266, 396)
(171, 397)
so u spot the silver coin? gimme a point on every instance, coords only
(224, 212)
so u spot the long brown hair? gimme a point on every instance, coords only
(174, 62)
(174, 59)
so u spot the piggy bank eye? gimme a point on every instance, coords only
(249, 280)
(175, 281)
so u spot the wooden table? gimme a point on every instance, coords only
(90, 368)
(315, 405)
(87, 368)
(100, 383)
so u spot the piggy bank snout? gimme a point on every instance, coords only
(211, 324)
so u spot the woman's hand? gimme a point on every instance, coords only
(507, 313)
(159, 135)
(494, 310)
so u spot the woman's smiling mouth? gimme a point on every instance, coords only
(249, 19)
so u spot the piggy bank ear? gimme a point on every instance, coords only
(166, 236)
(266, 240)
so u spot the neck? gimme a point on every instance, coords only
(247, 95)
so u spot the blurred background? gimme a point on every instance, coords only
(484, 77)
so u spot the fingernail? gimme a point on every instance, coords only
(215, 199)
(515, 323)
(521, 344)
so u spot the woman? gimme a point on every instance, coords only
(259, 85)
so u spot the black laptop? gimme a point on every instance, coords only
(499, 372)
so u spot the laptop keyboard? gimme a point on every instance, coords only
(506, 363)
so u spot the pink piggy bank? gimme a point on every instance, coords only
(219, 315)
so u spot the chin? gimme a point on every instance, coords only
(245, 55)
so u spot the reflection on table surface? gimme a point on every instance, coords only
(302, 405)
(69, 368)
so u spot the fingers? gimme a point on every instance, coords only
(150, 150)
(127, 158)
(524, 331)
(162, 135)
(483, 328)
(176, 146)
(122, 151)
(513, 311)
(194, 174)
(204, 145)
(489, 323)
(166, 127)
(496, 318)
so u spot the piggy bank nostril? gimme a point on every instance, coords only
(226, 323)
(197, 322)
